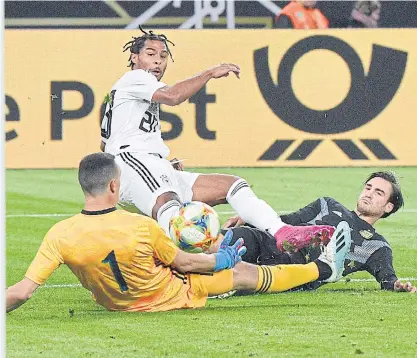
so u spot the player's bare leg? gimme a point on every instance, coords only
(215, 189)
(212, 188)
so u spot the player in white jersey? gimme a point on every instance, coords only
(131, 131)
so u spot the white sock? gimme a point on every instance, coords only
(252, 209)
(166, 212)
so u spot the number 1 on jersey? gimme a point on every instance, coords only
(111, 260)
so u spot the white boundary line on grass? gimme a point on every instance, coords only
(25, 215)
(76, 285)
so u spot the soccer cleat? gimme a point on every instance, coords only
(336, 250)
(224, 295)
(293, 238)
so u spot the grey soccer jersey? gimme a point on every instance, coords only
(369, 251)
(131, 121)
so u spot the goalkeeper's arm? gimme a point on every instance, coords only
(226, 257)
(19, 293)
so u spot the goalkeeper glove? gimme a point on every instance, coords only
(228, 256)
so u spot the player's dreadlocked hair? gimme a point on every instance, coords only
(137, 43)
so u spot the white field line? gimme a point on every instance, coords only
(77, 285)
(64, 285)
(28, 215)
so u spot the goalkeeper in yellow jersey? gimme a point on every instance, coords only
(129, 264)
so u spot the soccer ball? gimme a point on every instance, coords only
(195, 228)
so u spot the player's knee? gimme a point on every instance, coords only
(232, 179)
(213, 188)
(223, 186)
(163, 199)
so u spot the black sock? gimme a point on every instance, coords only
(324, 270)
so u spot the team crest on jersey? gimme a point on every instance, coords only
(366, 234)
(165, 179)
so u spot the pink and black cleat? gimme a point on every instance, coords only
(293, 238)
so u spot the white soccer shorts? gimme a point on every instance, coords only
(144, 177)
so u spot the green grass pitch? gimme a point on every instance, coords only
(347, 318)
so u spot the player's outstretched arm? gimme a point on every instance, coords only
(19, 293)
(227, 257)
(181, 91)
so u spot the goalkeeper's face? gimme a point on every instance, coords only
(374, 199)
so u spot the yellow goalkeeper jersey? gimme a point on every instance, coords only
(121, 258)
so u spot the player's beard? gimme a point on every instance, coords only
(365, 209)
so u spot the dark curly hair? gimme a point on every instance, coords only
(137, 43)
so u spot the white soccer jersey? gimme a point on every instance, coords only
(131, 121)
